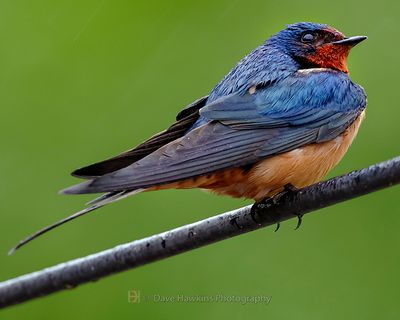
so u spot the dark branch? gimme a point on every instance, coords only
(137, 253)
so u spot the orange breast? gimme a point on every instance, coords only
(299, 167)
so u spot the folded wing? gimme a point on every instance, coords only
(243, 129)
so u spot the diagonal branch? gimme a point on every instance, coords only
(140, 252)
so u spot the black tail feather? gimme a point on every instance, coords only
(50, 227)
(94, 204)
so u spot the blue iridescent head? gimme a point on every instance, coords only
(316, 45)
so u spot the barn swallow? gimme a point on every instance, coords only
(284, 115)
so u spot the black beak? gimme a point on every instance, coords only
(352, 41)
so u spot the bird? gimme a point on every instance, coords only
(283, 117)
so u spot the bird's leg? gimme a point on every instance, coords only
(287, 189)
(290, 188)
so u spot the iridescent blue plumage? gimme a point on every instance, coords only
(287, 99)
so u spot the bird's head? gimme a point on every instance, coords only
(316, 45)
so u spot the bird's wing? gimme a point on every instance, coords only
(184, 120)
(244, 129)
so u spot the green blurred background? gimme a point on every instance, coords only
(83, 80)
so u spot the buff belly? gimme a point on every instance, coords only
(299, 167)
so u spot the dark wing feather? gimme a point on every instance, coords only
(209, 148)
(185, 119)
(192, 108)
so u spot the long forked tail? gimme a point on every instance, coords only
(94, 204)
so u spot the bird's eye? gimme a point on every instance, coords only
(308, 37)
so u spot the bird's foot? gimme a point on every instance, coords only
(289, 188)
(265, 203)
(268, 202)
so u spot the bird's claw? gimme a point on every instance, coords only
(299, 221)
